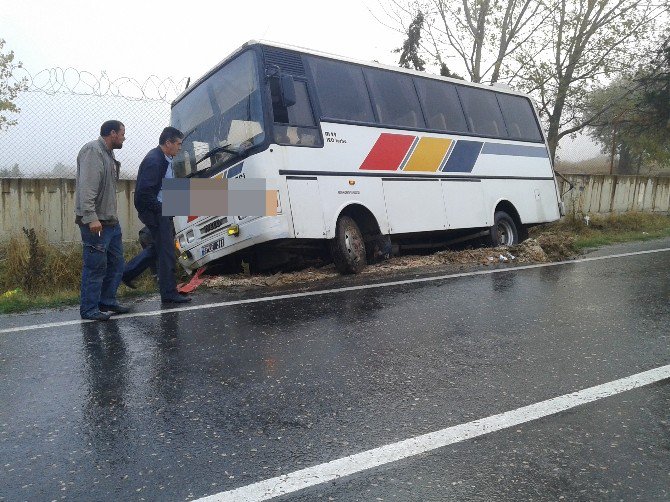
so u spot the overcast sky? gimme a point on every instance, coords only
(138, 38)
(168, 38)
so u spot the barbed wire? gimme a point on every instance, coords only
(61, 109)
(84, 83)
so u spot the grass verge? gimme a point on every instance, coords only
(19, 301)
(35, 275)
(597, 231)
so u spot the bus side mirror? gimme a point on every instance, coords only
(287, 88)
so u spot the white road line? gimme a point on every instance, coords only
(336, 469)
(329, 291)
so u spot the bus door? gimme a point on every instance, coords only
(464, 203)
(414, 205)
(306, 207)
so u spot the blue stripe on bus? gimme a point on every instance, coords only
(517, 150)
(235, 170)
(463, 157)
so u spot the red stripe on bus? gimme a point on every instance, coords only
(190, 219)
(388, 152)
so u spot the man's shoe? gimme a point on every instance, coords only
(97, 316)
(129, 284)
(176, 299)
(116, 309)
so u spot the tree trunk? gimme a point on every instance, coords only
(625, 161)
(552, 141)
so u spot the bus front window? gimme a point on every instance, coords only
(221, 118)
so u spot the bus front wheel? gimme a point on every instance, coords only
(504, 231)
(348, 247)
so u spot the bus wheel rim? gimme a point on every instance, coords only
(347, 243)
(504, 233)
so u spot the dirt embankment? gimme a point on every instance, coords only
(544, 248)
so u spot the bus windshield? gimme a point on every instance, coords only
(221, 118)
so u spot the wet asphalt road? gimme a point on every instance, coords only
(187, 404)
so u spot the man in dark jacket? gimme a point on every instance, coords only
(156, 166)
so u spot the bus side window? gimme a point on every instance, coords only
(441, 105)
(395, 98)
(341, 90)
(495, 128)
(438, 121)
(279, 112)
(483, 112)
(294, 125)
(519, 117)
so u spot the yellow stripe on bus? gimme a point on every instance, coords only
(428, 154)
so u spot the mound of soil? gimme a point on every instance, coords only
(558, 246)
(544, 248)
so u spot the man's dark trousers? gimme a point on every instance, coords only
(146, 259)
(162, 232)
(102, 270)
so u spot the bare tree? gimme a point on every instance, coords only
(557, 50)
(479, 34)
(589, 43)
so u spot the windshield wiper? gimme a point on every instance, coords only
(214, 151)
(236, 152)
(189, 133)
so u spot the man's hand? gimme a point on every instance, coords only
(95, 227)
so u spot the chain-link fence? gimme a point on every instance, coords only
(582, 155)
(63, 109)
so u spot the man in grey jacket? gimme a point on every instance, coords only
(97, 217)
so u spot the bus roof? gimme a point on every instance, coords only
(498, 87)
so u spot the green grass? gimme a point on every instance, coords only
(599, 239)
(20, 301)
(35, 275)
(611, 229)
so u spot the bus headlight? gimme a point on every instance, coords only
(190, 236)
(234, 230)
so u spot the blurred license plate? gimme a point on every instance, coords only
(212, 246)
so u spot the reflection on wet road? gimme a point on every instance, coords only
(192, 403)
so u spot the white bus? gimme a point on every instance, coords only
(362, 154)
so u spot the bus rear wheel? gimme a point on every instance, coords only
(504, 231)
(348, 247)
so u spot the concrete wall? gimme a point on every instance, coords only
(47, 205)
(616, 194)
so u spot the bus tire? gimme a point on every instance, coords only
(523, 233)
(348, 247)
(504, 231)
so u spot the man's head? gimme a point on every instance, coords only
(170, 141)
(114, 134)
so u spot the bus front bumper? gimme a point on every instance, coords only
(221, 244)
